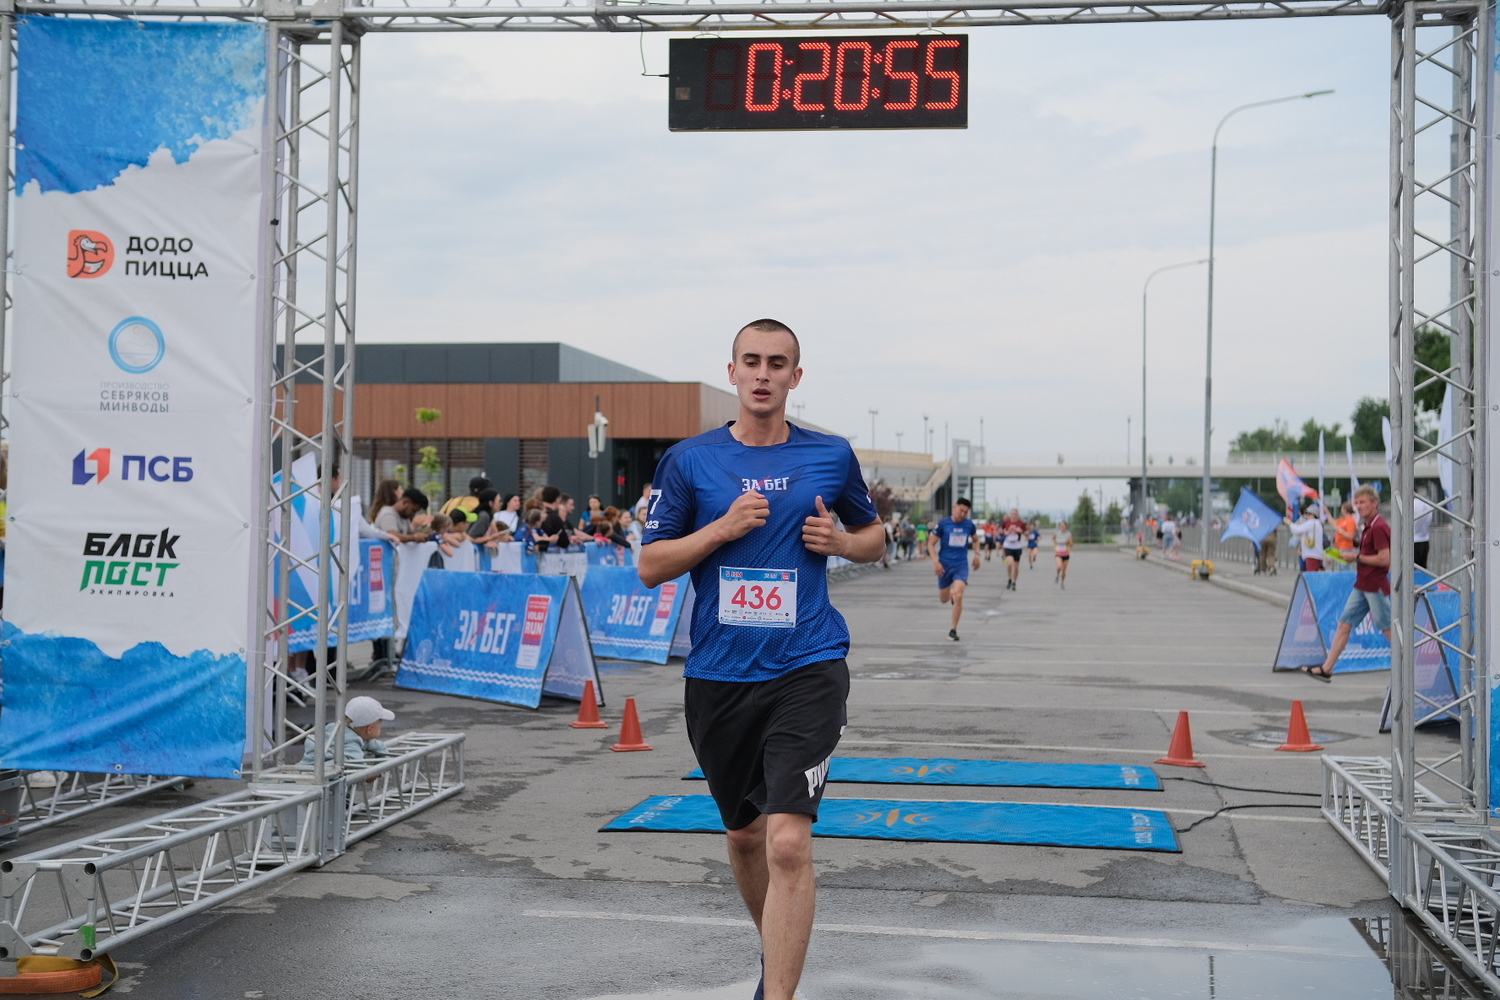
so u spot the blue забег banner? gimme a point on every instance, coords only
(506, 637)
(371, 599)
(627, 619)
(1312, 618)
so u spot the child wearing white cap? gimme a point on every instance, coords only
(361, 726)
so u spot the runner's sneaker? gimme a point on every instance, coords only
(953, 634)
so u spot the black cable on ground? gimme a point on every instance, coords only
(1247, 805)
(1240, 788)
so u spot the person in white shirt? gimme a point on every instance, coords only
(644, 503)
(1421, 531)
(1308, 534)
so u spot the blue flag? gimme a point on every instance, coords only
(1252, 518)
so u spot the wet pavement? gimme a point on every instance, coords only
(510, 892)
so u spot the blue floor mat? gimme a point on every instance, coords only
(1012, 773)
(954, 822)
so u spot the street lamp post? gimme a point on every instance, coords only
(1208, 378)
(1145, 290)
(873, 415)
(926, 435)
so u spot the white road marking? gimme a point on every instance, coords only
(1020, 937)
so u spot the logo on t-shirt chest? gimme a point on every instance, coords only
(771, 485)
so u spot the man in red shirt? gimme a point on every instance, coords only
(1372, 584)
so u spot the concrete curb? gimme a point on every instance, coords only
(1258, 593)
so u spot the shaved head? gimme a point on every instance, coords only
(768, 326)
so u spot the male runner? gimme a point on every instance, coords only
(743, 508)
(1013, 531)
(949, 546)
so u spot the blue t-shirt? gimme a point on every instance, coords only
(742, 628)
(953, 540)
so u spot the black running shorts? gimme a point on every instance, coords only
(764, 745)
(1011, 553)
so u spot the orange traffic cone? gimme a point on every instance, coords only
(1180, 754)
(630, 730)
(1298, 739)
(588, 710)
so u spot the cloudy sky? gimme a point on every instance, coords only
(526, 188)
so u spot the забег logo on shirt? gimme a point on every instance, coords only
(766, 485)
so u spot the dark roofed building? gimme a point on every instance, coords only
(516, 413)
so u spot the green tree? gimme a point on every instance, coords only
(432, 467)
(1273, 438)
(1332, 439)
(1365, 420)
(1085, 523)
(1179, 494)
(1112, 517)
(1432, 350)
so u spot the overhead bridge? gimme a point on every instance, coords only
(1240, 465)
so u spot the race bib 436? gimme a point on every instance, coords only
(761, 597)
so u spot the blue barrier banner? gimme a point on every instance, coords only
(950, 822)
(627, 619)
(1313, 616)
(1435, 672)
(608, 554)
(371, 599)
(503, 637)
(996, 773)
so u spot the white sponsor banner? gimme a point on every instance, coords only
(136, 339)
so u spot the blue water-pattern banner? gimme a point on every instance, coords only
(628, 620)
(483, 635)
(145, 712)
(371, 599)
(189, 83)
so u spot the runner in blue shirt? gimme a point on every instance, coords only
(749, 510)
(949, 545)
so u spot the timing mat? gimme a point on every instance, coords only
(1011, 773)
(951, 822)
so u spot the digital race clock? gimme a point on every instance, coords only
(848, 81)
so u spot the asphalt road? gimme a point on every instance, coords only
(510, 892)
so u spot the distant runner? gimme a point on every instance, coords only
(1062, 551)
(989, 540)
(922, 530)
(1033, 538)
(950, 545)
(1013, 533)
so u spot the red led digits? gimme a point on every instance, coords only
(892, 50)
(942, 74)
(753, 76)
(821, 81)
(842, 75)
(723, 77)
(799, 98)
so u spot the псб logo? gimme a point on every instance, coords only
(161, 468)
(90, 254)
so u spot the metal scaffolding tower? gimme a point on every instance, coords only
(1422, 822)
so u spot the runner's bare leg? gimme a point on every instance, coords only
(772, 862)
(959, 587)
